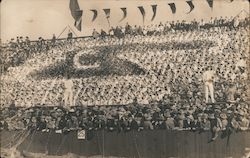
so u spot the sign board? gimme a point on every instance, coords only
(81, 134)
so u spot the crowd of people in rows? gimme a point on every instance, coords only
(227, 117)
(120, 32)
(21, 48)
(174, 63)
(174, 57)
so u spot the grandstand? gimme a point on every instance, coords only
(140, 81)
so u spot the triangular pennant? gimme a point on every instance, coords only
(173, 8)
(154, 8)
(124, 10)
(95, 14)
(210, 3)
(191, 5)
(107, 13)
(142, 12)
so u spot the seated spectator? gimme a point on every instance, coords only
(224, 121)
(243, 121)
(147, 124)
(215, 125)
(169, 122)
(205, 123)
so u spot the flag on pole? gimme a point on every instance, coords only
(95, 14)
(124, 10)
(76, 14)
(191, 5)
(172, 7)
(142, 13)
(154, 8)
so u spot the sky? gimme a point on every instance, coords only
(35, 18)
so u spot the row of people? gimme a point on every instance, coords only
(214, 118)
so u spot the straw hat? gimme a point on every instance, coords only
(181, 116)
(167, 114)
(211, 116)
(223, 116)
(205, 116)
(241, 112)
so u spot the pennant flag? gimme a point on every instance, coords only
(78, 23)
(76, 13)
(95, 14)
(124, 10)
(210, 3)
(173, 8)
(107, 13)
(231, 0)
(142, 12)
(154, 8)
(191, 5)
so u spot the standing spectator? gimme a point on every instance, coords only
(68, 93)
(208, 79)
(95, 34)
(70, 36)
(53, 40)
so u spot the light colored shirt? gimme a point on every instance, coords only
(68, 85)
(208, 76)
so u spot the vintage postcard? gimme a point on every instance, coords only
(125, 79)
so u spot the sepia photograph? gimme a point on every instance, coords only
(124, 79)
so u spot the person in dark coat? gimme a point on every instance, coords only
(103, 34)
(215, 126)
(41, 125)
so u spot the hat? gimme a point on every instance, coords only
(241, 112)
(190, 117)
(72, 110)
(167, 114)
(204, 116)
(217, 107)
(224, 110)
(181, 116)
(211, 116)
(200, 115)
(223, 116)
(217, 111)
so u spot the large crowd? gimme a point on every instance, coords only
(227, 117)
(174, 56)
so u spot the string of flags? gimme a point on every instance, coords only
(76, 12)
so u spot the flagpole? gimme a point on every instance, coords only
(62, 32)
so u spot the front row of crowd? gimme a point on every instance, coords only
(227, 117)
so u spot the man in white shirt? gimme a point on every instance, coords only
(68, 93)
(208, 79)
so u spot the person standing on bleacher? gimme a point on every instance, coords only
(208, 80)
